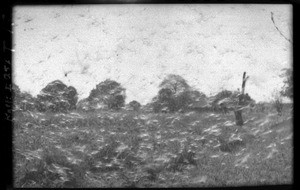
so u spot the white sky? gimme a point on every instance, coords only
(137, 45)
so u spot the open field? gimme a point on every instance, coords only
(128, 149)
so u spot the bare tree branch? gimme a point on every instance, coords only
(272, 18)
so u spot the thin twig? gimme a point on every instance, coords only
(272, 18)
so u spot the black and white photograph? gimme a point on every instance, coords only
(152, 95)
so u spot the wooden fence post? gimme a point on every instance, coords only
(238, 112)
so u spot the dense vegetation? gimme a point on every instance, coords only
(102, 142)
(129, 149)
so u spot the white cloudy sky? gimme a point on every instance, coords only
(138, 45)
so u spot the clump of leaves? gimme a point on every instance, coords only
(231, 146)
(182, 159)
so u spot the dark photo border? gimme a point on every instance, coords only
(7, 68)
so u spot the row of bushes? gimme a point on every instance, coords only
(58, 97)
(174, 95)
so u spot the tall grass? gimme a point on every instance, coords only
(129, 149)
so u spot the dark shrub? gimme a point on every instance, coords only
(57, 97)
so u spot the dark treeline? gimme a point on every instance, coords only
(174, 95)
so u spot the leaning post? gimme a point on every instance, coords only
(238, 112)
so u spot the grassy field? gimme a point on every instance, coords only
(128, 149)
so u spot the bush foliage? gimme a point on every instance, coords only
(135, 105)
(288, 89)
(108, 94)
(57, 97)
(176, 95)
